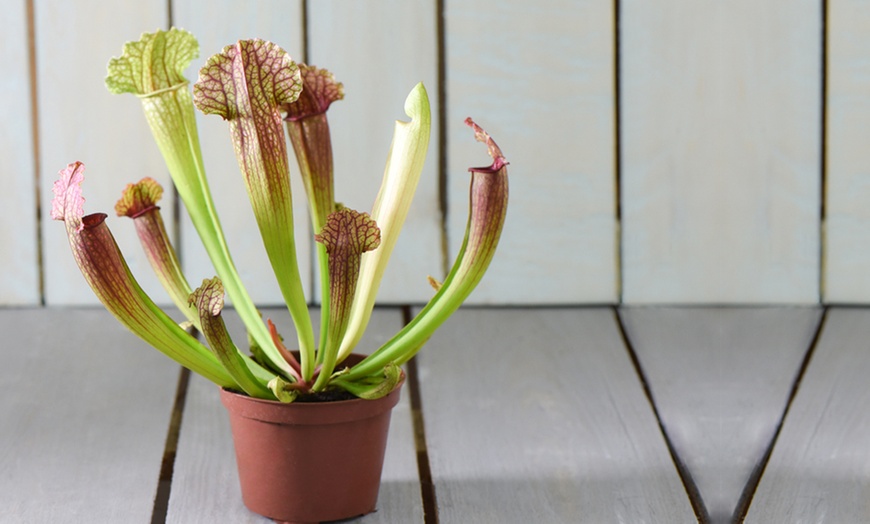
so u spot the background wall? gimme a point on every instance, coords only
(679, 151)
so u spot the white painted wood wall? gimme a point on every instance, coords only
(681, 151)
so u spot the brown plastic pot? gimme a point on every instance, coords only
(310, 462)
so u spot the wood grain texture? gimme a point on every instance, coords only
(19, 258)
(85, 412)
(720, 379)
(720, 138)
(539, 78)
(205, 485)
(537, 415)
(80, 120)
(380, 51)
(820, 468)
(847, 221)
(217, 24)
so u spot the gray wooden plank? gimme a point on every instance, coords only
(19, 258)
(820, 468)
(537, 415)
(847, 175)
(720, 151)
(80, 120)
(720, 379)
(205, 484)
(85, 410)
(539, 77)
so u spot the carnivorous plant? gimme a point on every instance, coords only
(260, 92)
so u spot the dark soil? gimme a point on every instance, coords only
(331, 395)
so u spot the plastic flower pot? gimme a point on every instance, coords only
(307, 462)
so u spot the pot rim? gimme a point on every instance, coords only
(306, 413)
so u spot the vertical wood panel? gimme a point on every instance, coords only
(380, 51)
(847, 257)
(18, 235)
(720, 150)
(216, 24)
(539, 78)
(80, 120)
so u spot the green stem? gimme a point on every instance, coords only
(401, 176)
(209, 301)
(323, 264)
(346, 236)
(488, 197)
(246, 84)
(173, 123)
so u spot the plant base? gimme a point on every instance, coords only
(310, 462)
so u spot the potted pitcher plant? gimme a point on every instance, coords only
(283, 403)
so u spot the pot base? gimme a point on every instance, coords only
(321, 521)
(307, 463)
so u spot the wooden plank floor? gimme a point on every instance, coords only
(522, 415)
(720, 379)
(538, 416)
(820, 468)
(84, 415)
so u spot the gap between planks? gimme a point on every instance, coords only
(619, 281)
(689, 485)
(424, 471)
(443, 200)
(34, 126)
(823, 154)
(164, 482)
(745, 501)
